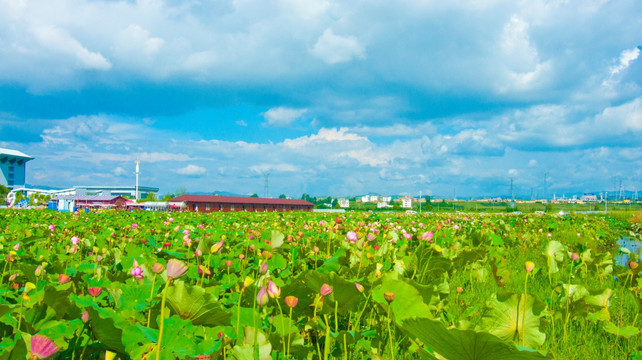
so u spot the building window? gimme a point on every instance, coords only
(207, 207)
(232, 207)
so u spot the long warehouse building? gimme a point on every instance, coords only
(210, 203)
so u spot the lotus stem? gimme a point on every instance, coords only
(238, 314)
(287, 349)
(392, 348)
(162, 318)
(151, 294)
(326, 348)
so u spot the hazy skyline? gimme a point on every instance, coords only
(338, 98)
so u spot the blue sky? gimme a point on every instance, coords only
(330, 98)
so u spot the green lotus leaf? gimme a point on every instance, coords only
(463, 344)
(245, 351)
(343, 292)
(626, 331)
(600, 299)
(512, 319)
(195, 304)
(408, 302)
(276, 239)
(554, 253)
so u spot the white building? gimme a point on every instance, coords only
(344, 203)
(13, 168)
(383, 205)
(406, 202)
(589, 197)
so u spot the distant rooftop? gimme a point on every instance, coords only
(14, 153)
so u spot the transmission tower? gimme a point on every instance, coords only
(266, 187)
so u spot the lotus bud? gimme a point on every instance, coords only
(52, 227)
(247, 282)
(16, 247)
(75, 240)
(266, 254)
(204, 270)
(95, 291)
(389, 296)
(29, 286)
(291, 301)
(63, 279)
(325, 290)
(315, 249)
(264, 268)
(241, 256)
(38, 270)
(273, 290)
(217, 247)
(460, 289)
(175, 269)
(229, 263)
(262, 297)
(359, 287)
(134, 226)
(84, 317)
(529, 265)
(158, 268)
(574, 257)
(633, 265)
(42, 347)
(198, 253)
(427, 236)
(12, 277)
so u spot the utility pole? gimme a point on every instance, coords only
(137, 172)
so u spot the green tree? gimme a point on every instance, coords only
(255, 195)
(167, 197)
(549, 207)
(282, 196)
(150, 197)
(181, 191)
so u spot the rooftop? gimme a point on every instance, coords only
(238, 200)
(14, 153)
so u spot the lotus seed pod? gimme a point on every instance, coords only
(291, 301)
(389, 296)
(529, 265)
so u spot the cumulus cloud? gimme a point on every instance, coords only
(58, 40)
(335, 49)
(191, 170)
(282, 116)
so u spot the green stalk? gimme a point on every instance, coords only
(162, 318)
(326, 348)
(392, 348)
(238, 314)
(524, 308)
(151, 294)
(287, 349)
(282, 320)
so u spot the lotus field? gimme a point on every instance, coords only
(142, 285)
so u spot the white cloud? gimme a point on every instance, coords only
(59, 40)
(241, 123)
(191, 170)
(119, 171)
(334, 49)
(626, 58)
(282, 116)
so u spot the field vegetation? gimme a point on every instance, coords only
(358, 285)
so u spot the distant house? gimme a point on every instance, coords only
(589, 197)
(211, 203)
(406, 202)
(383, 205)
(76, 202)
(13, 168)
(344, 203)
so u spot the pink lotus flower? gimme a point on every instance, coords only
(371, 237)
(262, 297)
(201, 226)
(95, 291)
(42, 347)
(264, 268)
(325, 290)
(427, 236)
(137, 272)
(134, 226)
(185, 232)
(574, 257)
(52, 227)
(229, 263)
(352, 237)
(75, 240)
(84, 317)
(217, 247)
(16, 247)
(63, 279)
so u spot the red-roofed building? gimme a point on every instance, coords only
(210, 203)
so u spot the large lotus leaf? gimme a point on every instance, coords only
(194, 303)
(245, 351)
(276, 239)
(574, 292)
(463, 344)
(334, 263)
(131, 297)
(627, 331)
(58, 300)
(104, 329)
(13, 347)
(554, 253)
(343, 291)
(408, 301)
(597, 298)
(512, 319)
